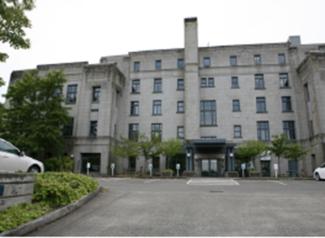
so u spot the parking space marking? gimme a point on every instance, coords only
(212, 182)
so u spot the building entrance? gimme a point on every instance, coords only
(266, 168)
(211, 167)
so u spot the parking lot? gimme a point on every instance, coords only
(198, 206)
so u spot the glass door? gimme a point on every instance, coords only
(209, 167)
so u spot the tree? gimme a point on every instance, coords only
(294, 151)
(278, 146)
(35, 117)
(12, 23)
(170, 148)
(126, 148)
(247, 151)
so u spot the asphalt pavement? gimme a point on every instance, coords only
(198, 207)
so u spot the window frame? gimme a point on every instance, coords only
(236, 135)
(93, 129)
(180, 86)
(233, 61)
(236, 105)
(263, 127)
(95, 96)
(259, 81)
(180, 105)
(208, 113)
(135, 86)
(70, 92)
(261, 104)
(157, 107)
(157, 85)
(134, 108)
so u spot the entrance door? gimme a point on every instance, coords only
(209, 167)
(93, 159)
(266, 168)
(293, 168)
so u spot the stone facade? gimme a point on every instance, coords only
(276, 74)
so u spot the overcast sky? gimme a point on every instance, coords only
(85, 30)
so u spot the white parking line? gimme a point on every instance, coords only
(212, 182)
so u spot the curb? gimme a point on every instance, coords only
(50, 217)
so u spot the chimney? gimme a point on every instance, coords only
(191, 40)
(294, 41)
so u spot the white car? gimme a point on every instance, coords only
(13, 160)
(319, 173)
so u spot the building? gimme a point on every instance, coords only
(213, 98)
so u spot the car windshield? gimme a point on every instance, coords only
(8, 147)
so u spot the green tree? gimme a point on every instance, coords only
(294, 151)
(170, 148)
(35, 117)
(279, 146)
(125, 148)
(247, 151)
(12, 23)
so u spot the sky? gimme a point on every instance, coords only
(85, 30)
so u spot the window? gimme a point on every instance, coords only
(286, 104)
(180, 132)
(281, 58)
(134, 131)
(180, 84)
(206, 62)
(260, 104)
(135, 87)
(263, 131)
(157, 85)
(156, 107)
(236, 105)
(180, 63)
(306, 91)
(237, 131)
(289, 129)
(259, 81)
(156, 130)
(233, 60)
(257, 59)
(95, 94)
(180, 106)
(134, 109)
(68, 128)
(208, 113)
(207, 82)
(71, 94)
(234, 82)
(158, 64)
(284, 80)
(93, 129)
(136, 66)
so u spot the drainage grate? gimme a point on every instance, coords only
(216, 191)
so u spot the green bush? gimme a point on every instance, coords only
(19, 214)
(167, 172)
(59, 189)
(59, 164)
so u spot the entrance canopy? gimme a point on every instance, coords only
(208, 146)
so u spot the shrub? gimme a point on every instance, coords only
(188, 173)
(167, 173)
(59, 164)
(232, 174)
(19, 214)
(59, 189)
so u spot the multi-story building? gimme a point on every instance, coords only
(213, 98)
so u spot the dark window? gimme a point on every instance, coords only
(136, 66)
(306, 91)
(68, 128)
(257, 59)
(93, 129)
(259, 81)
(95, 94)
(263, 131)
(233, 60)
(208, 113)
(289, 129)
(180, 84)
(180, 106)
(237, 131)
(207, 82)
(71, 94)
(158, 64)
(180, 63)
(156, 130)
(133, 131)
(282, 58)
(236, 105)
(234, 82)
(286, 104)
(157, 85)
(206, 62)
(156, 107)
(284, 80)
(260, 104)
(134, 109)
(180, 132)
(135, 87)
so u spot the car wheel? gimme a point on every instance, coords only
(34, 169)
(317, 177)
